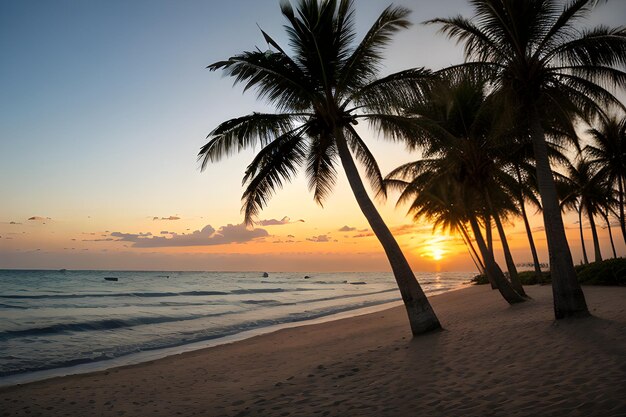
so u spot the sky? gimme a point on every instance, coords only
(105, 104)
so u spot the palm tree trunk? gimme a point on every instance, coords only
(510, 264)
(422, 318)
(508, 257)
(531, 242)
(529, 232)
(489, 234)
(569, 299)
(620, 195)
(472, 251)
(608, 226)
(582, 237)
(596, 242)
(492, 269)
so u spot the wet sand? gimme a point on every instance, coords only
(491, 360)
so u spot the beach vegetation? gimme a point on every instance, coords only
(607, 272)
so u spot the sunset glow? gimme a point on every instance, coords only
(98, 157)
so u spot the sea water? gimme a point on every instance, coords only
(56, 319)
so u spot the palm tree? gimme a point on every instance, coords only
(538, 59)
(321, 91)
(588, 188)
(455, 128)
(608, 151)
(435, 194)
(522, 198)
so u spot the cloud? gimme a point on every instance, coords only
(14, 223)
(208, 236)
(166, 218)
(39, 218)
(274, 222)
(367, 234)
(406, 229)
(319, 239)
(347, 229)
(165, 232)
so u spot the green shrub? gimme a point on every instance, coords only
(609, 272)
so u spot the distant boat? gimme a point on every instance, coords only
(265, 275)
(63, 270)
(111, 279)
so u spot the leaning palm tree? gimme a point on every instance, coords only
(321, 91)
(538, 58)
(432, 189)
(588, 187)
(608, 151)
(455, 128)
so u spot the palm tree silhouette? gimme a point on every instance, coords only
(321, 91)
(538, 59)
(608, 152)
(588, 189)
(462, 152)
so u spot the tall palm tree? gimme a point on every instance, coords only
(608, 151)
(455, 129)
(538, 58)
(435, 194)
(588, 187)
(321, 91)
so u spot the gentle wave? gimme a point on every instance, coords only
(52, 319)
(199, 336)
(98, 325)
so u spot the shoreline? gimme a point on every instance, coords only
(160, 353)
(491, 359)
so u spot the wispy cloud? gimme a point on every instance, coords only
(319, 239)
(166, 218)
(347, 229)
(39, 218)
(208, 236)
(275, 222)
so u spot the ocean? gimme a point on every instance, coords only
(51, 320)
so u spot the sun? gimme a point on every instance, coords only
(437, 254)
(435, 248)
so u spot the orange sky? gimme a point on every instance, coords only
(104, 140)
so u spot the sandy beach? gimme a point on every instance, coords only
(491, 360)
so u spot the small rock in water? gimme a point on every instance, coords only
(111, 279)
(265, 275)
(306, 277)
(358, 283)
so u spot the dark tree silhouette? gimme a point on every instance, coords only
(321, 90)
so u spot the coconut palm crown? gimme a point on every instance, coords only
(538, 58)
(321, 90)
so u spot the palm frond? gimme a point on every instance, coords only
(278, 162)
(393, 92)
(274, 76)
(244, 132)
(363, 64)
(600, 46)
(477, 43)
(320, 167)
